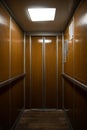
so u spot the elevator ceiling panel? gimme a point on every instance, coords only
(64, 11)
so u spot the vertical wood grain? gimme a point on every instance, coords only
(80, 43)
(4, 44)
(36, 72)
(27, 87)
(12, 95)
(80, 64)
(17, 49)
(50, 73)
(75, 66)
(4, 67)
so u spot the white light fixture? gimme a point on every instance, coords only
(46, 41)
(42, 14)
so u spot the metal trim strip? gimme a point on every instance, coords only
(44, 72)
(62, 70)
(24, 65)
(57, 68)
(30, 68)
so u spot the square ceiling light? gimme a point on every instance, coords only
(42, 14)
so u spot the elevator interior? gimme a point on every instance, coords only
(43, 65)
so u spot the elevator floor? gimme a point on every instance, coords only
(43, 120)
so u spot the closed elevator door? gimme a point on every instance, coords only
(43, 89)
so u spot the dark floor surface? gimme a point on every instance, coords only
(43, 120)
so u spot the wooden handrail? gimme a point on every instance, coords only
(11, 80)
(76, 82)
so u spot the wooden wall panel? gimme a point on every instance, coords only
(69, 70)
(17, 49)
(17, 68)
(68, 66)
(80, 109)
(4, 44)
(4, 67)
(78, 67)
(69, 99)
(36, 73)
(12, 95)
(50, 73)
(60, 71)
(80, 46)
(27, 87)
(4, 108)
(16, 100)
(80, 63)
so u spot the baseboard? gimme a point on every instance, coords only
(43, 109)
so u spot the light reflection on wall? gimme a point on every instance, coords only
(44, 41)
(83, 20)
(3, 20)
(76, 40)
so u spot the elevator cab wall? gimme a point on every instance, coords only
(75, 98)
(11, 69)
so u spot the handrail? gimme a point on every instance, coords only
(74, 81)
(11, 80)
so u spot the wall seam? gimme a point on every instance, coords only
(10, 71)
(43, 106)
(73, 68)
(44, 73)
(57, 67)
(30, 68)
(24, 66)
(62, 70)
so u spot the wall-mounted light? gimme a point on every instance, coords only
(42, 14)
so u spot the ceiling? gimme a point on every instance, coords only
(64, 11)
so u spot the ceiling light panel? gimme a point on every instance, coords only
(42, 14)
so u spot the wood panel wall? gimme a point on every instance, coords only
(50, 73)
(4, 44)
(27, 64)
(11, 66)
(17, 48)
(36, 72)
(75, 66)
(17, 68)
